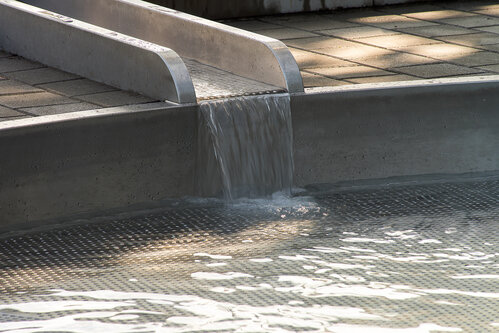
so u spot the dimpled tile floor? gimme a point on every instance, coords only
(412, 258)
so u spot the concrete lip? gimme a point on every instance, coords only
(86, 162)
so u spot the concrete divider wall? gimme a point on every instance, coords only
(70, 164)
(412, 129)
(87, 162)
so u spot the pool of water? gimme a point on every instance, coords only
(418, 258)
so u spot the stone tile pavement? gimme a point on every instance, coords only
(29, 89)
(415, 41)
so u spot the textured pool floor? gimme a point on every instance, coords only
(419, 258)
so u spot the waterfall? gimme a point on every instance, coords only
(245, 146)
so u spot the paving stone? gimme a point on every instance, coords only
(77, 87)
(489, 11)
(314, 80)
(286, 33)
(322, 24)
(492, 68)
(438, 70)
(358, 32)
(349, 72)
(494, 47)
(355, 52)
(395, 59)
(385, 78)
(15, 63)
(441, 51)
(33, 99)
(41, 75)
(115, 98)
(307, 59)
(477, 59)
(437, 30)
(391, 21)
(472, 40)
(252, 25)
(493, 29)
(316, 43)
(438, 14)
(396, 41)
(8, 87)
(6, 112)
(58, 109)
(473, 21)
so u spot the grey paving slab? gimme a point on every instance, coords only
(33, 99)
(385, 78)
(436, 15)
(493, 29)
(77, 87)
(14, 63)
(358, 32)
(307, 59)
(473, 21)
(395, 59)
(494, 47)
(315, 80)
(492, 11)
(473, 40)
(9, 87)
(253, 25)
(438, 70)
(477, 59)
(58, 109)
(7, 112)
(115, 98)
(442, 51)
(491, 68)
(41, 75)
(349, 72)
(355, 52)
(391, 21)
(436, 30)
(319, 24)
(286, 33)
(396, 41)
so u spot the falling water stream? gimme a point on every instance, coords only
(246, 146)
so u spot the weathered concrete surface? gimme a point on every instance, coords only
(396, 130)
(90, 161)
(218, 9)
(74, 163)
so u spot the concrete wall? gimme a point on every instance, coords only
(87, 162)
(396, 130)
(90, 161)
(218, 9)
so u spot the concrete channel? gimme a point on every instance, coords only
(82, 163)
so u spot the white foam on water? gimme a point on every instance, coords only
(212, 256)
(423, 328)
(219, 276)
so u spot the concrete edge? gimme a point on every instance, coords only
(94, 52)
(116, 111)
(235, 50)
(365, 87)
